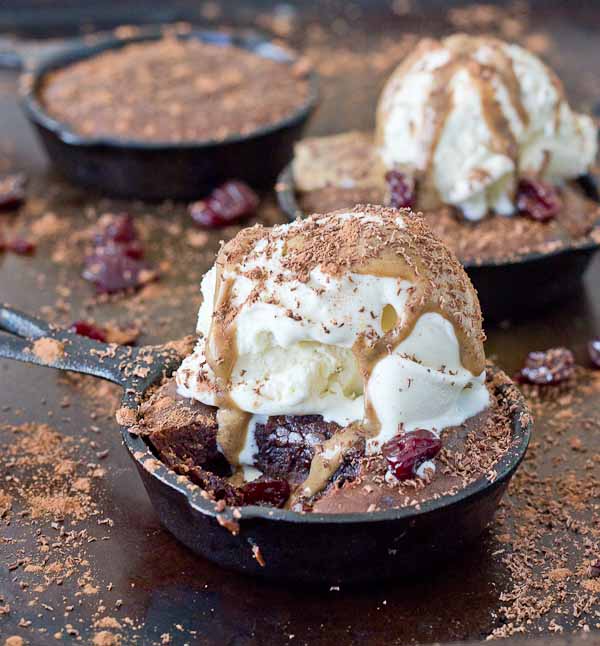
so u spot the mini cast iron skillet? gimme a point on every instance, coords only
(153, 170)
(341, 548)
(507, 289)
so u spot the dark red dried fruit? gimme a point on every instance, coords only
(21, 247)
(85, 328)
(406, 452)
(549, 367)
(120, 228)
(133, 249)
(227, 204)
(112, 270)
(265, 491)
(538, 200)
(402, 190)
(12, 191)
(594, 351)
(116, 263)
(120, 231)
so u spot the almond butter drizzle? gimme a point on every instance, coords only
(499, 69)
(377, 249)
(326, 462)
(221, 355)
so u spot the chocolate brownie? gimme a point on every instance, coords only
(183, 434)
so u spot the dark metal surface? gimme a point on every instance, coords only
(154, 170)
(313, 548)
(18, 331)
(530, 290)
(161, 583)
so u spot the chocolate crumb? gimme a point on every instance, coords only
(257, 555)
(126, 416)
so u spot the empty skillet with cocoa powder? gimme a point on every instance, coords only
(151, 170)
(274, 543)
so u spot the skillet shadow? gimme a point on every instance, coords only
(454, 601)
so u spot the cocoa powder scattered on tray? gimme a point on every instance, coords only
(57, 487)
(547, 528)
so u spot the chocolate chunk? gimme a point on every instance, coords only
(286, 445)
(214, 484)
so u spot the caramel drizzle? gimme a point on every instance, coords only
(333, 451)
(440, 101)
(221, 356)
(221, 352)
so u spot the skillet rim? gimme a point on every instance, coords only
(287, 202)
(505, 467)
(249, 39)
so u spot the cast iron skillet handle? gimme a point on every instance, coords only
(132, 368)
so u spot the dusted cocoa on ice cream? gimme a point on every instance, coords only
(336, 346)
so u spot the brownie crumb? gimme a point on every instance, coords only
(12, 191)
(126, 416)
(257, 555)
(106, 638)
(5, 503)
(14, 640)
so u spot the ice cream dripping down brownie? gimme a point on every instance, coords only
(473, 131)
(342, 349)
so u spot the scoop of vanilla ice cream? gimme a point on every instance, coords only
(295, 339)
(468, 116)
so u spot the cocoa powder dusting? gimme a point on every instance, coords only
(177, 91)
(547, 528)
(48, 350)
(57, 490)
(50, 491)
(54, 489)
